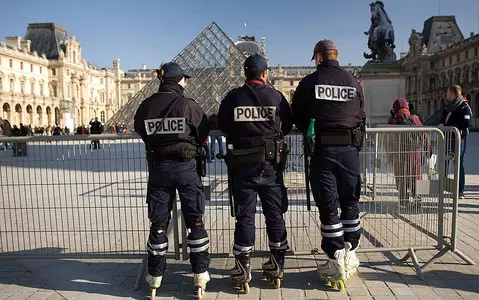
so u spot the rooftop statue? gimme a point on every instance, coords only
(381, 34)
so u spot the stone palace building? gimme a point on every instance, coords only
(44, 80)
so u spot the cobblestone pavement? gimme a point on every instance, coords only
(381, 276)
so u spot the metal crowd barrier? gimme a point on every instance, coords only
(62, 198)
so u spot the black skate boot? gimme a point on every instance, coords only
(241, 273)
(273, 269)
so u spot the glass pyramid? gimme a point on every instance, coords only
(217, 66)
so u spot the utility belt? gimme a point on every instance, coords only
(273, 151)
(187, 154)
(341, 137)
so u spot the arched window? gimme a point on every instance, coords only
(57, 116)
(6, 111)
(18, 114)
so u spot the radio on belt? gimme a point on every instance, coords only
(335, 93)
(254, 113)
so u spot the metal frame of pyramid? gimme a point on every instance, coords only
(217, 66)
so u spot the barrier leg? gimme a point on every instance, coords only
(413, 257)
(184, 235)
(464, 257)
(176, 234)
(141, 273)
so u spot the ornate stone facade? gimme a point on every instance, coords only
(437, 58)
(44, 80)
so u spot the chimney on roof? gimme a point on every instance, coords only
(25, 44)
(143, 67)
(13, 41)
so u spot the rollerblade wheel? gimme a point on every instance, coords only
(340, 285)
(152, 294)
(277, 283)
(199, 292)
(246, 288)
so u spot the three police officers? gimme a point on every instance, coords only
(333, 97)
(255, 118)
(173, 128)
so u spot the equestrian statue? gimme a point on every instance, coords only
(381, 34)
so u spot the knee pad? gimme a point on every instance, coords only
(159, 225)
(158, 241)
(194, 223)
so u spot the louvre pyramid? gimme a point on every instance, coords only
(216, 64)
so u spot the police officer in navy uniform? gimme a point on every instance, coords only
(333, 97)
(255, 117)
(173, 128)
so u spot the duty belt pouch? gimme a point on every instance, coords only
(246, 156)
(270, 150)
(358, 135)
(334, 137)
(281, 154)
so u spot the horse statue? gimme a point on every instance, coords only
(381, 34)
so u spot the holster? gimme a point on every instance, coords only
(201, 162)
(281, 154)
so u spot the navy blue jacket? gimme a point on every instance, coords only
(331, 95)
(247, 123)
(184, 129)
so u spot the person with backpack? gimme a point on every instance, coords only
(406, 152)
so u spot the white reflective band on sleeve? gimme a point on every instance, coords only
(197, 242)
(351, 222)
(332, 227)
(332, 234)
(242, 248)
(200, 249)
(352, 229)
(272, 244)
(157, 253)
(467, 117)
(158, 246)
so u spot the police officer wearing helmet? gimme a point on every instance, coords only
(173, 128)
(255, 117)
(333, 98)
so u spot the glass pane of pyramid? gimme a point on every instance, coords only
(214, 61)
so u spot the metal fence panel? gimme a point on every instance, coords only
(63, 198)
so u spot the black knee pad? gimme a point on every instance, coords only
(195, 223)
(159, 225)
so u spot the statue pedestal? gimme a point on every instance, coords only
(382, 82)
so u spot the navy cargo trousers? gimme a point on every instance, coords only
(336, 182)
(265, 180)
(165, 178)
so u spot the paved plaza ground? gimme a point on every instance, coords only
(381, 275)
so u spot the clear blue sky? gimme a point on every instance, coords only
(150, 31)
